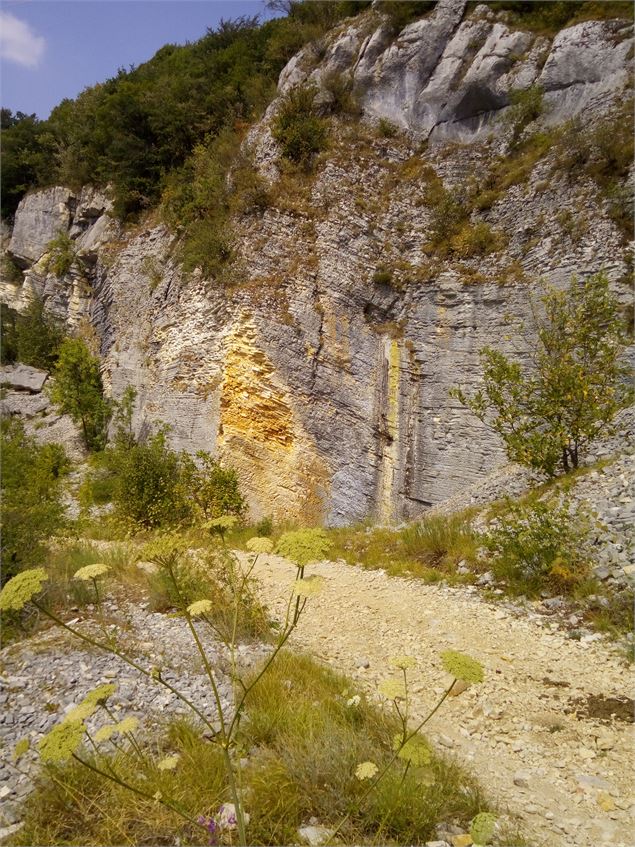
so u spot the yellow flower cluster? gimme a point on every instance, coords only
(482, 828)
(416, 750)
(309, 586)
(91, 572)
(462, 666)
(304, 545)
(392, 689)
(260, 545)
(199, 607)
(62, 741)
(366, 770)
(404, 663)
(21, 588)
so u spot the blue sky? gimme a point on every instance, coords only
(52, 49)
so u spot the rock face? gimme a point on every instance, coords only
(42, 217)
(24, 397)
(450, 75)
(322, 381)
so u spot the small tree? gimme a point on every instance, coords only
(38, 336)
(576, 384)
(78, 391)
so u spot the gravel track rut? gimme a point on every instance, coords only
(567, 777)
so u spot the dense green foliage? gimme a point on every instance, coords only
(77, 390)
(61, 254)
(32, 337)
(299, 130)
(26, 157)
(136, 128)
(540, 543)
(548, 415)
(31, 504)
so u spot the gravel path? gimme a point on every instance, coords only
(524, 732)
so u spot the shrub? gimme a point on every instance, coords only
(213, 488)
(32, 508)
(299, 130)
(549, 413)
(8, 335)
(476, 240)
(450, 213)
(147, 489)
(382, 276)
(339, 88)
(33, 337)
(404, 12)
(77, 390)
(386, 128)
(526, 106)
(540, 543)
(152, 485)
(61, 254)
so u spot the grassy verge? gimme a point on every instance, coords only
(430, 550)
(299, 747)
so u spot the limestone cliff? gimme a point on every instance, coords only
(324, 382)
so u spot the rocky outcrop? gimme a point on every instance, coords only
(323, 382)
(25, 398)
(23, 378)
(449, 76)
(41, 218)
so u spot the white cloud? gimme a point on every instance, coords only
(18, 42)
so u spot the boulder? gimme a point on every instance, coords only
(23, 378)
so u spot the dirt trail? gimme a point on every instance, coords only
(567, 776)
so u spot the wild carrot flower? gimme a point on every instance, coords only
(392, 689)
(366, 770)
(199, 607)
(62, 741)
(21, 588)
(404, 663)
(89, 572)
(260, 545)
(462, 666)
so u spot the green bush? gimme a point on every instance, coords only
(404, 12)
(540, 544)
(147, 489)
(77, 390)
(33, 337)
(152, 485)
(547, 18)
(299, 130)
(476, 240)
(526, 106)
(61, 254)
(31, 508)
(386, 128)
(213, 488)
(8, 335)
(382, 276)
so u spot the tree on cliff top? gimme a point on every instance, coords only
(577, 381)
